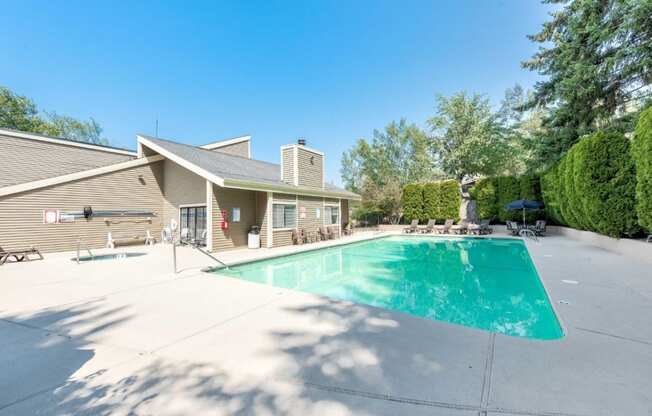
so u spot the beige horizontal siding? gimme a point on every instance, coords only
(26, 160)
(310, 174)
(236, 235)
(282, 238)
(180, 187)
(308, 213)
(285, 198)
(261, 216)
(21, 215)
(236, 149)
(287, 165)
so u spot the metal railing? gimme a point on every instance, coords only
(88, 249)
(196, 247)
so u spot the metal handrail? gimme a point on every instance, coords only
(88, 249)
(196, 247)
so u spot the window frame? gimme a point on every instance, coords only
(285, 216)
(328, 209)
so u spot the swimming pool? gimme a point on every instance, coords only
(485, 283)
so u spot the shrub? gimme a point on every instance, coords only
(449, 200)
(508, 191)
(484, 194)
(608, 184)
(530, 188)
(642, 151)
(550, 193)
(412, 201)
(431, 197)
(593, 186)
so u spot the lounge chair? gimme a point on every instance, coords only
(348, 230)
(296, 237)
(19, 255)
(460, 228)
(540, 228)
(445, 228)
(428, 228)
(335, 233)
(512, 227)
(412, 228)
(485, 228)
(324, 234)
(474, 228)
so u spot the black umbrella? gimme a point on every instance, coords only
(523, 204)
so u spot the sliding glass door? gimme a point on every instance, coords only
(194, 220)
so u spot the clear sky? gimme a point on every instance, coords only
(329, 71)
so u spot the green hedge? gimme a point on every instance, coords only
(593, 186)
(431, 197)
(485, 196)
(449, 200)
(434, 200)
(492, 194)
(509, 189)
(642, 151)
(412, 202)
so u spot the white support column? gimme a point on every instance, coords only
(270, 219)
(209, 216)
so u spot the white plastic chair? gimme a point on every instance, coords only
(166, 235)
(185, 235)
(149, 239)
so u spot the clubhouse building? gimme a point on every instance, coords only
(216, 192)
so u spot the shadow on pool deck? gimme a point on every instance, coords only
(350, 370)
(297, 354)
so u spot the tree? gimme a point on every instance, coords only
(468, 140)
(642, 151)
(597, 57)
(380, 168)
(21, 113)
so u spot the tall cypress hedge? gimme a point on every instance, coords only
(485, 196)
(593, 186)
(642, 151)
(435, 200)
(509, 189)
(449, 200)
(412, 202)
(431, 197)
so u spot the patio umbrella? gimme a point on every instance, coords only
(523, 204)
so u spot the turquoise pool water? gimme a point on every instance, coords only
(489, 284)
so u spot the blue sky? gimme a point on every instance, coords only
(329, 71)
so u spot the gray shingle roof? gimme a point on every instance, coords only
(229, 166)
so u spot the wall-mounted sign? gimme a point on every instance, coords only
(66, 218)
(50, 216)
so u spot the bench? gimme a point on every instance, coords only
(113, 240)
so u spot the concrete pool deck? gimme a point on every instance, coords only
(132, 337)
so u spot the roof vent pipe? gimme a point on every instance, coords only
(301, 142)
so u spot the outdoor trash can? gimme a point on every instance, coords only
(253, 239)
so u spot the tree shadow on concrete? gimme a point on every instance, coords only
(349, 359)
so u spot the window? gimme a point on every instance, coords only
(318, 213)
(235, 214)
(331, 215)
(194, 220)
(284, 216)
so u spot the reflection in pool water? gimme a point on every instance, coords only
(489, 284)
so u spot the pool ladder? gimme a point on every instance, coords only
(88, 249)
